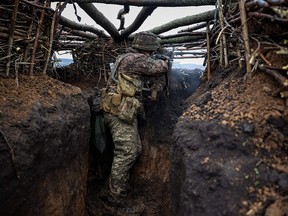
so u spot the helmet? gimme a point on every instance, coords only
(146, 41)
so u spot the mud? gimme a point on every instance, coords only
(44, 147)
(230, 150)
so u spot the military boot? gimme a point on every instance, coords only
(121, 204)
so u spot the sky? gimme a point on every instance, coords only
(160, 16)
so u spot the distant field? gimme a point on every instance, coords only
(66, 61)
(187, 66)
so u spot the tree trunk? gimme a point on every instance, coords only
(188, 20)
(76, 26)
(144, 13)
(160, 3)
(100, 19)
(183, 39)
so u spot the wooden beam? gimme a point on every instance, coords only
(188, 20)
(11, 36)
(141, 17)
(245, 34)
(183, 39)
(100, 19)
(81, 27)
(208, 60)
(157, 3)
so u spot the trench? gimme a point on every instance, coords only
(149, 182)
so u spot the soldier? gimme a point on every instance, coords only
(122, 103)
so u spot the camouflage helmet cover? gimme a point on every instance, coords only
(146, 41)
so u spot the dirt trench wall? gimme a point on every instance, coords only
(230, 150)
(44, 147)
(208, 163)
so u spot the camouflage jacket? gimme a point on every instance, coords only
(137, 64)
(141, 66)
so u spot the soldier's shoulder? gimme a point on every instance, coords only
(131, 56)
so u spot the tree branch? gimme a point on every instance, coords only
(73, 25)
(156, 3)
(183, 39)
(100, 19)
(188, 20)
(81, 33)
(141, 17)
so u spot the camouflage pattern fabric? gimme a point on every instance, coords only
(141, 64)
(127, 147)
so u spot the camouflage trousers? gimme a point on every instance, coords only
(127, 147)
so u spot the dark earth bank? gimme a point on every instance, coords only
(230, 151)
(44, 147)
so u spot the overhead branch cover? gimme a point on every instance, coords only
(73, 25)
(183, 39)
(157, 3)
(142, 16)
(100, 19)
(188, 20)
(81, 33)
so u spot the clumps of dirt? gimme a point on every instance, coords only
(251, 108)
(248, 106)
(17, 97)
(44, 135)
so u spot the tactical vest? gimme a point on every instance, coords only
(122, 103)
(126, 85)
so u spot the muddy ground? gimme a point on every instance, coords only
(44, 147)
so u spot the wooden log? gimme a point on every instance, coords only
(16, 32)
(281, 79)
(52, 30)
(272, 18)
(183, 34)
(81, 27)
(208, 60)
(183, 39)
(141, 17)
(36, 39)
(188, 20)
(11, 36)
(162, 3)
(245, 35)
(100, 19)
(81, 34)
(239, 58)
(69, 37)
(224, 42)
(195, 27)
